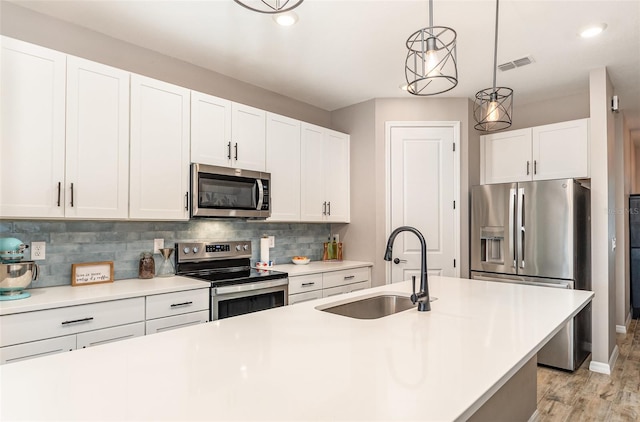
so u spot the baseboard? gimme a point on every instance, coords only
(534, 416)
(605, 368)
(624, 329)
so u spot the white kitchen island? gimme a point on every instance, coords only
(299, 363)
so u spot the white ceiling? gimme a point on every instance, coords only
(347, 51)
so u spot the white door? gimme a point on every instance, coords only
(210, 130)
(159, 171)
(97, 147)
(423, 190)
(283, 163)
(312, 202)
(32, 130)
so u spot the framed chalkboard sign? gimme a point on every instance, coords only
(91, 273)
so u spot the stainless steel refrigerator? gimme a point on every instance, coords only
(537, 233)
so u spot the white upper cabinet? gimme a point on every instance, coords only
(210, 130)
(227, 134)
(561, 150)
(32, 143)
(97, 141)
(554, 151)
(283, 162)
(159, 171)
(324, 175)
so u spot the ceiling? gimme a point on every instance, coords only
(348, 51)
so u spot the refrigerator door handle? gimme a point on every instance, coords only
(520, 225)
(512, 212)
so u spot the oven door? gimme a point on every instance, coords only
(227, 192)
(242, 299)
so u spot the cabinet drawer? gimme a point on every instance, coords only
(339, 278)
(109, 335)
(305, 283)
(39, 325)
(178, 321)
(304, 297)
(35, 349)
(177, 303)
(347, 288)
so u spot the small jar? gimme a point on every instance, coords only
(147, 266)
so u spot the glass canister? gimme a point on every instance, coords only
(147, 266)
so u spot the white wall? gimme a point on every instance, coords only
(622, 190)
(604, 350)
(562, 109)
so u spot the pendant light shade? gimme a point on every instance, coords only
(270, 6)
(493, 107)
(431, 65)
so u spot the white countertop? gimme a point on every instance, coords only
(59, 296)
(298, 363)
(315, 267)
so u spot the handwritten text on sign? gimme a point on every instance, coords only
(100, 272)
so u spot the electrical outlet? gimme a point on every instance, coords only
(157, 245)
(272, 241)
(38, 251)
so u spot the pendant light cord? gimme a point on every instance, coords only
(495, 49)
(430, 13)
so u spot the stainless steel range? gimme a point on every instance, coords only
(236, 288)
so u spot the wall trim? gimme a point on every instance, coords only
(605, 368)
(624, 329)
(455, 125)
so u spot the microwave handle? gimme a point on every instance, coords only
(260, 193)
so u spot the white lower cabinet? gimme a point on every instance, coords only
(324, 284)
(169, 311)
(28, 335)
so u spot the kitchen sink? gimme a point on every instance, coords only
(372, 307)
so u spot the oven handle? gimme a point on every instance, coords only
(260, 193)
(247, 287)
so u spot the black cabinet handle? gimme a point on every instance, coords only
(59, 189)
(349, 277)
(186, 201)
(329, 208)
(308, 284)
(175, 305)
(527, 168)
(535, 167)
(229, 150)
(72, 194)
(236, 147)
(75, 321)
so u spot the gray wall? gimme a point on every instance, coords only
(70, 242)
(26, 25)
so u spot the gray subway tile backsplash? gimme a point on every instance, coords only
(70, 242)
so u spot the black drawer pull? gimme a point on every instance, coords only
(175, 305)
(75, 321)
(349, 277)
(308, 284)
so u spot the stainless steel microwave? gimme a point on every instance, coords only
(228, 192)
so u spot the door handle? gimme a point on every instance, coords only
(527, 168)
(229, 150)
(72, 194)
(398, 260)
(236, 147)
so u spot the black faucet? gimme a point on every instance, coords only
(422, 297)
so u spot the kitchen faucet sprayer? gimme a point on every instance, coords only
(422, 297)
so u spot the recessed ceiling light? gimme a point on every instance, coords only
(593, 30)
(286, 19)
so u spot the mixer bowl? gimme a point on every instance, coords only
(15, 277)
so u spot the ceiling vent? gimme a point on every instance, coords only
(516, 63)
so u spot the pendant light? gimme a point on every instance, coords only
(270, 6)
(431, 65)
(493, 107)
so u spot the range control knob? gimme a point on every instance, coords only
(186, 250)
(245, 247)
(195, 250)
(238, 247)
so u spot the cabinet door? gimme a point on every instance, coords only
(210, 130)
(506, 157)
(97, 141)
(32, 131)
(336, 175)
(304, 297)
(174, 322)
(248, 130)
(561, 150)
(159, 170)
(283, 162)
(109, 335)
(36, 349)
(312, 198)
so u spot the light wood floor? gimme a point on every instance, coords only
(589, 396)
